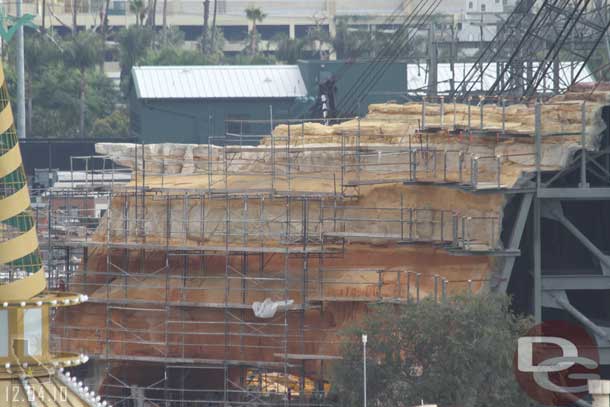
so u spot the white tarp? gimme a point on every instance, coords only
(268, 308)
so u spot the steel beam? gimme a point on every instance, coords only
(537, 263)
(515, 241)
(575, 282)
(581, 194)
(559, 299)
(553, 210)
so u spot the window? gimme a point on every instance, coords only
(4, 333)
(32, 331)
(470, 5)
(483, 7)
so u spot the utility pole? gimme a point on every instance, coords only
(432, 62)
(20, 76)
(212, 41)
(364, 340)
(206, 26)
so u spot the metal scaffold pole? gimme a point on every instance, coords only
(21, 130)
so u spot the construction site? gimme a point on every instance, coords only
(224, 273)
(246, 261)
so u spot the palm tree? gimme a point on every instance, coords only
(288, 50)
(39, 53)
(151, 18)
(82, 53)
(134, 43)
(75, 6)
(206, 25)
(212, 45)
(317, 37)
(164, 13)
(138, 8)
(104, 29)
(256, 15)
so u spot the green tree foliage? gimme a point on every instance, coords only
(255, 15)
(257, 59)
(68, 95)
(65, 91)
(140, 9)
(55, 102)
(39, 52)
(457, 353)
(317, 38)
(134, 43)
(116, 124)
(82, 53)
(139, 45)
(289, 50)
(212, 45)
(351, 43)
(175, 56)
(354, 42)
(167, 37)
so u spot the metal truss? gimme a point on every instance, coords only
(527, 49)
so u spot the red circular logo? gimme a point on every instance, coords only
(553, 362)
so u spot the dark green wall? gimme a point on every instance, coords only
(390, 86)
(192, 121)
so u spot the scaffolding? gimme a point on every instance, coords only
(194, 307)
(173, 269)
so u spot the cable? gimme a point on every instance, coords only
(553, 52)
(369, 69)
(384, 65)
(372, 75)
(508, 24)
(374, 79)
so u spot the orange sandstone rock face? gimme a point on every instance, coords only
(199, 307)
(156, 305)
(173, 275)
(196, 327)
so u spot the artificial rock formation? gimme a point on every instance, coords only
(389, 207)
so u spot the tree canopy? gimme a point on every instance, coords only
(66, 92)
(456, 353)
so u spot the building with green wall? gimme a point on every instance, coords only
(193, 104)
(390, 81)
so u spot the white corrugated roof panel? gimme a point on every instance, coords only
(218, 81)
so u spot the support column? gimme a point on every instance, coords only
(600, 390)
(537, 263)
(432, 62)
(537, 246)
(556, 73)
(20, 77)
(292, 31)
(331, 12)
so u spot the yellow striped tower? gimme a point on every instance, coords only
(30, 374)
